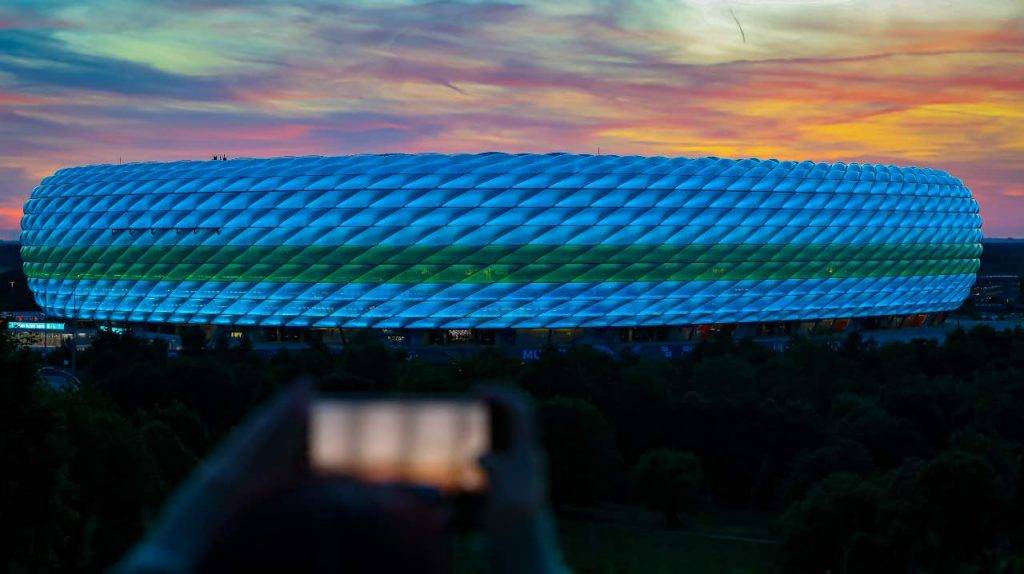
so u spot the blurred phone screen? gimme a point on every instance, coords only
(432, 442)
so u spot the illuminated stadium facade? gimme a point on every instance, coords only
(498, 242)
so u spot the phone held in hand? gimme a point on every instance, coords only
(423, 441)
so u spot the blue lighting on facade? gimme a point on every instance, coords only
(497, 241)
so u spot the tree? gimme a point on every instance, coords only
(862, 419)
(366, 358)
(836, 528)
(669, 482)
(951, 514)
(960, 508)
(580, 444)
(842, 454)
(639, 406)
(193, 340)
(176, 438)
(580, 371)
(488, 364)
(35, 496)
(724, 375)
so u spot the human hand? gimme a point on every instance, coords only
(516, 516)
(517, 472)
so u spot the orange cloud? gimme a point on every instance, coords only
(10, 217)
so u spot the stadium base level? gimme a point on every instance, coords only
(526, 344)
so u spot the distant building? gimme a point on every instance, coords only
(473, 246)
(997, 292)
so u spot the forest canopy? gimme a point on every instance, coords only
(900, 458)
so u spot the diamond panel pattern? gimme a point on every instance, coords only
(498, 241)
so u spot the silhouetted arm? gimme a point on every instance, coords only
(518, 520)
(258, 451)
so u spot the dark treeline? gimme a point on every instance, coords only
(14, 293)
(1002, 257)
(903, 458)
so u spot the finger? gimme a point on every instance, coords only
(516, 413)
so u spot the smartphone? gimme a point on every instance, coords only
(418, 441)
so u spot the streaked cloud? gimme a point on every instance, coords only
(939, 83)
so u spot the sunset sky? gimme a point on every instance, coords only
(921, 82)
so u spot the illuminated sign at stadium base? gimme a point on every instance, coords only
(34, 326)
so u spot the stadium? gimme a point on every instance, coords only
(490, 247)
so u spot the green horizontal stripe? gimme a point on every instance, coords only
(494, 254)
(497, 263)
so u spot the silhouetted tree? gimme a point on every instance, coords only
(580, 443)
(193, 340)
(669, 482)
